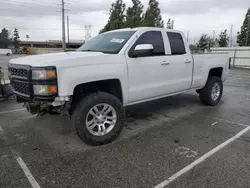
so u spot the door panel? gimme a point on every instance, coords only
(147, 77)
(182, 62)
(179, 73)
(162, 73)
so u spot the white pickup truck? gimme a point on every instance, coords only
(114, 70)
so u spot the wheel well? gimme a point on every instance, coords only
(112, 86)
(216, 72)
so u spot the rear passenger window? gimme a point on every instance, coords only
(154, 38)
(176, 43)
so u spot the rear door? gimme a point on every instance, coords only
(180, 68)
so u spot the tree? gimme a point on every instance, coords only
(134, 14)
(194, 48)
(170, 24)
(223, 39)
(243, 38)
(213, 43)
(5, 33)
(116, 18)
(204, 42)
(16, 37)
(152, 16)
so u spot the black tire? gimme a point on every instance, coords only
(8, 54)
(206, 92)
(81, 111)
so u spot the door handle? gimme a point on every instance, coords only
(187, 61)
(164, 63)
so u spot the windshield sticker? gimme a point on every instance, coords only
(117, 40)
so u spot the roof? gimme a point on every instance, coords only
(144, 28)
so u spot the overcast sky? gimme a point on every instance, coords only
(41, 19)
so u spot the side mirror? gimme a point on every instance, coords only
(143, 50)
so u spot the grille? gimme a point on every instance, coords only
(21, 88)
(18, 73)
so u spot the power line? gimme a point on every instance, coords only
(42, 28)
(51, 1)
(27, 4)
(26, 13)
(46, 1)
(40, 16)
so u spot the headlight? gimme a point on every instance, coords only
(43, 74)
(44, 89)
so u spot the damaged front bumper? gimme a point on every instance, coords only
(37, 88)
(61, 105)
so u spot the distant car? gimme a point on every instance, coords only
(7, 51)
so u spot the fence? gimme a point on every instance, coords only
(240, 56)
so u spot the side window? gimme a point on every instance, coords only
(154, 38)
(176, 43)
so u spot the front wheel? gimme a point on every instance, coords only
(212, 92)
(98, 118)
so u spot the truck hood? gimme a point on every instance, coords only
(60, 59)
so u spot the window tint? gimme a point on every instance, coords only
(176, 43)
(154, 38)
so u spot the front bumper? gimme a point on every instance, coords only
(22, 84)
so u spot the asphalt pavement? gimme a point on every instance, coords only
(160, 143)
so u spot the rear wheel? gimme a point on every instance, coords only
(212, 92)
(8, 54)
(98, 118)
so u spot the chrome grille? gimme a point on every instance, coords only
(21, 88)
(18, 73)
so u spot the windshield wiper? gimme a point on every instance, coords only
(89, 50)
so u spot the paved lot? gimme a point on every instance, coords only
(160, 139)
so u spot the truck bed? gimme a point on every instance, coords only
(205, 62)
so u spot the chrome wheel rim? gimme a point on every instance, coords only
(101, 119)
(216, 90)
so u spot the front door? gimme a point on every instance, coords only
(147, 75)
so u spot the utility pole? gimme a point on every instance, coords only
(68, 29)
(213, 35)
(63, 26)
(248, 30)
(231, 36)
(187, 36)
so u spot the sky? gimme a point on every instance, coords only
(41, 19)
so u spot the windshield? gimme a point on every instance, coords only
(107, 42)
